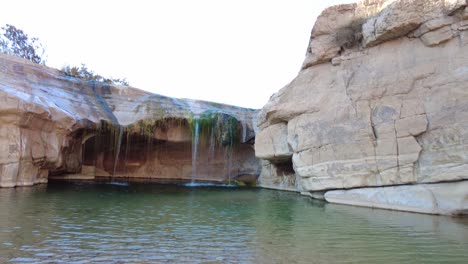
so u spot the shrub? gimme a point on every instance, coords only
(84, 73)
(15, 42)
(350, 35)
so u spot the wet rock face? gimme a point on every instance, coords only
(171, 150)
(388, 108)
(39, 124)
(56, 127)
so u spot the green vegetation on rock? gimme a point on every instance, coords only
(222, 127)
(84, 73)
(16, 42)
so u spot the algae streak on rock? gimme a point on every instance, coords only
(57, 127)
(381, 100)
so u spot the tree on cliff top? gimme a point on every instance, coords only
(84, 73)
(15, 42)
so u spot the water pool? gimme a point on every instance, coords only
(140, 223)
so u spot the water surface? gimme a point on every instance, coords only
(137, 223)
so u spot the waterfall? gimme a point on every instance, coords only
(117, 150)
(127, 147)
(211, 149)
(244, 132)
(230, 154)
(195, 138)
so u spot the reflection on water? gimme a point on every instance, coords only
(140, 223)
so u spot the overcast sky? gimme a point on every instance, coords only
(237, 52)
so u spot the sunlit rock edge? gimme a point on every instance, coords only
(381, 100)
(61, 128)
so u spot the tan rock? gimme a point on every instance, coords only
(386, 154)
(27, 173)
(336, 61)
(440, 198)
(406, 174)
(333, 17)
(385, 130)
(411, 126)
(55, 126)
(329, 34)
(278, 176)
(9, 173)
(438, 36)
(460, 26)
(408, 150)
(315, 195)
(390, 176)
(392, 113)
(464, 38)
(412, 107)
(273, 143)
(402, 17)
(432, 24)
(173, 132)
(10, 147)
(322, 49)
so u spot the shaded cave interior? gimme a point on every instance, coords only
(164, 151)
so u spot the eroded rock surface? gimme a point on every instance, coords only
(438, 198)
(56, 127)
(387, 107)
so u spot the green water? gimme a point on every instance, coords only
(73, 223)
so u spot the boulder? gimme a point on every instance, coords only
(438, 198)
(391, 110)
(272, 143)
(371, 22)
(438, 36)
(431, 25)
(404, 16)
(329, 34)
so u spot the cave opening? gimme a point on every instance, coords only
(284, 168)
(100, 152)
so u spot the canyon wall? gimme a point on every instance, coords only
(381, 100)
(54, 127)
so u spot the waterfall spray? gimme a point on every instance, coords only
(244, 131)
(211, 149)
(117, 151)
(230, 154)
(195, 138)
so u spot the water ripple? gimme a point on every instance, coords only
(160, 224)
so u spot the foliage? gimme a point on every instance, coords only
(350, 35)
(15, 42)
(223, 127)
(84, 73)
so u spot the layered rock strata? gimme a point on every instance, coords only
(57, 127)
(381, 100)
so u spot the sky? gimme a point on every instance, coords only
(236, 52)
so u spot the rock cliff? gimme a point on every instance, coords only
(57, 127)
(381, 100)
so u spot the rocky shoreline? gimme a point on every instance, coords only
(381, 100)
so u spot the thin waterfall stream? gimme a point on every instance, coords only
(211, 149)
(117, 150)
(196, 137)
(230, 154)
(244, 131)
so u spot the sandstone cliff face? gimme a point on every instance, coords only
(381, 100)
(56, 127)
